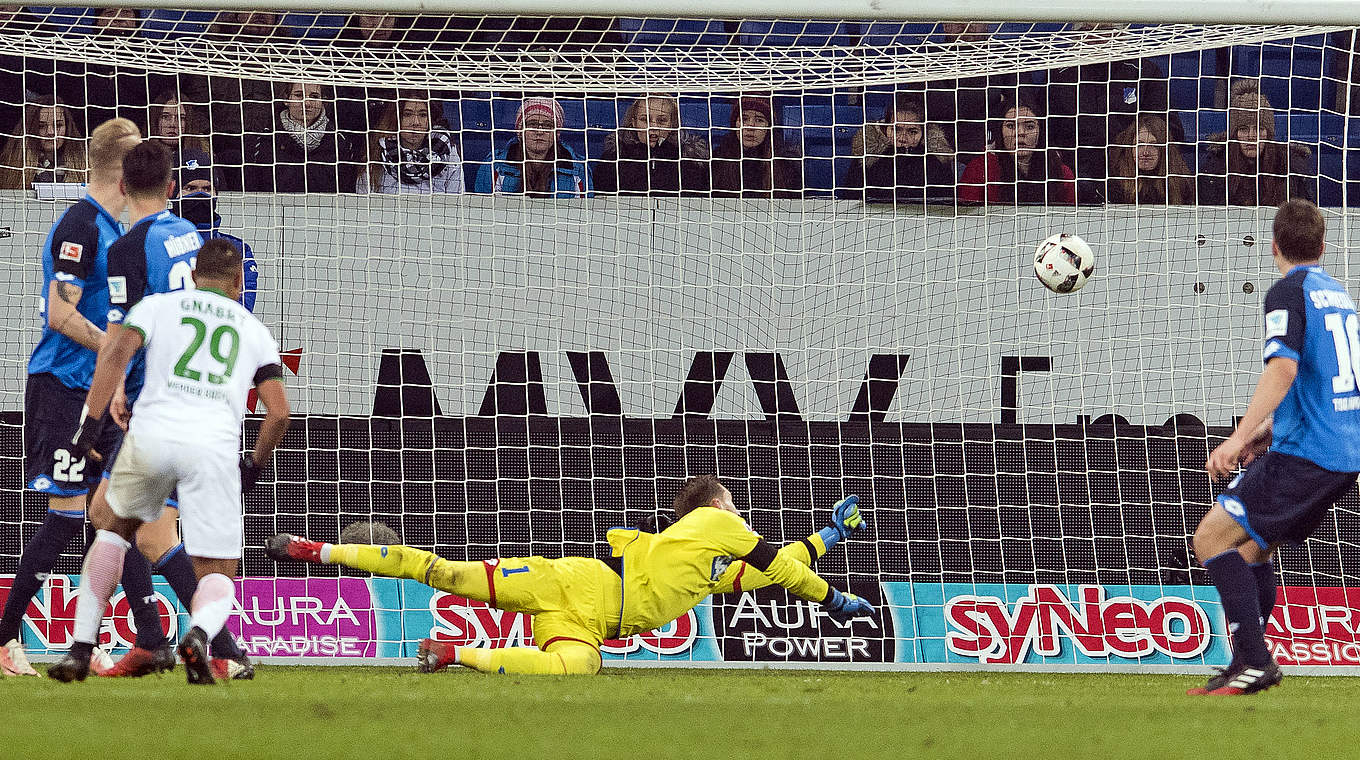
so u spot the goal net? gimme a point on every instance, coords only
(795, 254)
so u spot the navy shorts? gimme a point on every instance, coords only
(1281, 498)
(51, 414)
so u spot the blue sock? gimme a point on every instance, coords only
(179, 571)
(1242, 605)
(39, 557)
(1265, 586)
(141, 596)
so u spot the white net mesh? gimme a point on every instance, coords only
(844, 305)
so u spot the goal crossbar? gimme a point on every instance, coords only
(1342, 12)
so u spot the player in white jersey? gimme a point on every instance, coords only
(204, 352)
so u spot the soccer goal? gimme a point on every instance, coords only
(780, 250)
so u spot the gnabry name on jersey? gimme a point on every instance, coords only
(1336, 299)
(193, 304)
(182, 244)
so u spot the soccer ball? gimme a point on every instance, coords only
(1063, 263)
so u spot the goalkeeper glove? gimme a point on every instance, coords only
(845, 522)
(250, 472)
(87, 435)
(843, 608)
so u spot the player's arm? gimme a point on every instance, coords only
(109, 370)
(845, 522)
(62, 315)
(74, 249)
(1270, 390)
(270, 389)
(733, 535)
(1284, 338)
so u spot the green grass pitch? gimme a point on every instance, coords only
(384, 713)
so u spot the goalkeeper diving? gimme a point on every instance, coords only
(577, 603)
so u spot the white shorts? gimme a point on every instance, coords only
(209, 483)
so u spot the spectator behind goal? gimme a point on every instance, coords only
(196, 183)
(47, 147)
(180, 127)
(1246, 166)
(651, 155)
(412, 149)
(1145, 168)
(1088, 105)
(305, 153)
(753, 160)
(1020, 168)
(535, 162)
(906, 159)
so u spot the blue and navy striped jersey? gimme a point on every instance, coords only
(1311, 319)
(76, 251)
(156, 256)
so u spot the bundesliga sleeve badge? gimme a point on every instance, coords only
(71, 251)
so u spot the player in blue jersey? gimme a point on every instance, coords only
(198, 182)
(75, 305)
(156, 255)
(1312, 364)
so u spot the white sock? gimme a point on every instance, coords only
(98, 579)
(212, 603)
(326, 554)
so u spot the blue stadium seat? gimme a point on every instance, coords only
(315, 27)
(161, 23)
(64, 19)
(650, 32)
(789, 33)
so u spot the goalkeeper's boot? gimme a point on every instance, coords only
(284, 547)
(1249, 679)
(435, 655)
(14, 662)
(140, 662)
(1217, 681)
(193, 649)
(233, 668)
(73, 666)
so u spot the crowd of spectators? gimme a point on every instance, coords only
(1096, 133)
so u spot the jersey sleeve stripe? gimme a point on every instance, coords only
(140, 331)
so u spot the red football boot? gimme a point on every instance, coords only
(435, 655)
(140, 662)
(285, 547)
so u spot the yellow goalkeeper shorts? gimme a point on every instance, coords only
(570, 599)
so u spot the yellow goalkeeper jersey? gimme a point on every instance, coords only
(665, 574)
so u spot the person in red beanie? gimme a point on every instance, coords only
(535, 162)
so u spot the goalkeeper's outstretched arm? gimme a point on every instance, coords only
(846, 521)
(782, 569)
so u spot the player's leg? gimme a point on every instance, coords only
(471, 580)
(579, 599)
(562, 658)
(136, 494)
(210, 489)
(211, 606)
(1219, 543)
(161, 546)
(50, 410)
(151, 652)
(1259, 560)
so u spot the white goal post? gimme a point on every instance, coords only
(498, 374)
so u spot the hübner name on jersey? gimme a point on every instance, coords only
(201, 307)
(182, 244)
(1336, 299)
(1347, 404)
